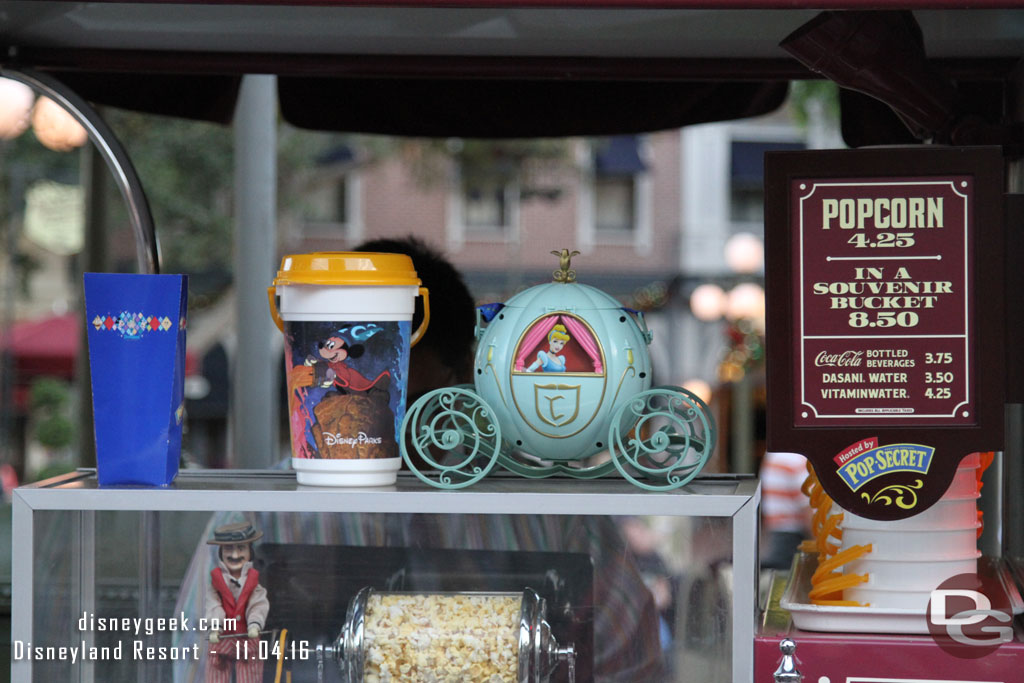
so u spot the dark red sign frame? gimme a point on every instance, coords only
(885, 338)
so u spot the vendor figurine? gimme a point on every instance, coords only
(238, 604)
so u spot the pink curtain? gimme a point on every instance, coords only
(532, 338)
(583, 338)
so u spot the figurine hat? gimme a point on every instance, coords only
(231, 534)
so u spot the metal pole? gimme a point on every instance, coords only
(92, 260)
(742, 441)
(254, 390)
(22, 585)
(149, 581)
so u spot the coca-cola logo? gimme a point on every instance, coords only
(843, 359)
(343, 440)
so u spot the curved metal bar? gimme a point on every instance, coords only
(524, 469)
(146, 249)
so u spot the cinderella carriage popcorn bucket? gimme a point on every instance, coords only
(562, 373)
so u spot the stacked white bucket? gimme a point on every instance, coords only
(911, 557)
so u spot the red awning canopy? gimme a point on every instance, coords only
(45, 346)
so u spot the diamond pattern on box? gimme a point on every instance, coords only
(133, 325)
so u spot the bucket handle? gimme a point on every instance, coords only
(274, 313)
(417, 335)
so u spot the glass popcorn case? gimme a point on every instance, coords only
(513, 581)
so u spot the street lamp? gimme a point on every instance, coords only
(744, 253)
(743, 307)
(708, 302)
(15, 105)
(55, 127)
(745, 301)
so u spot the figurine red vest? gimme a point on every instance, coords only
(234, 608)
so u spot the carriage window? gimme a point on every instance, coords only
(559, 343)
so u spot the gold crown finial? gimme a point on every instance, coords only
(564, 273)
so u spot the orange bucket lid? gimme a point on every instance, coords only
(346, 268)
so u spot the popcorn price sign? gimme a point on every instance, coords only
(885, 286)
(883, 322)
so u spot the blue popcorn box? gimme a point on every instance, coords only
(137, 360)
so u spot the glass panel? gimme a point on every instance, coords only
(55, 599)
(640, 598)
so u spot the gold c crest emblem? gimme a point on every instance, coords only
(557, 404)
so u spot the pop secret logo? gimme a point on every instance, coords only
(866, 460)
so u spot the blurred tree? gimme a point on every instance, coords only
(805, 95)
(186, 171)
(50, 400)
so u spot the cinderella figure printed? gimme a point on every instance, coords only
(550, 361)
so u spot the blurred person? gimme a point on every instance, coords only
(444, 355)
(645, 544)
(785, 510)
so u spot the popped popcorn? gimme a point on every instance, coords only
(441, 638)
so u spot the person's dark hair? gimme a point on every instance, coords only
(452, 311)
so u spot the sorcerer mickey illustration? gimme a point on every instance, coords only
(336, 372)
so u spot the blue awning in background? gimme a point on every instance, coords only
(340, 154)
(748, 160)
(619, 155)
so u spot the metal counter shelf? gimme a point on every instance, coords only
(79, 497)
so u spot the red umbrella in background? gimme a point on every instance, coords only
(46, 346)
(40, 347)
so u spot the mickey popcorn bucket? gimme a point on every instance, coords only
(347, 323)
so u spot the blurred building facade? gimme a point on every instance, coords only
(650, 215)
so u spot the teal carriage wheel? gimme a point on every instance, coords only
(661, 438)
(453, 431)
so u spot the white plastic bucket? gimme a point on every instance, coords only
(947, 513)
(965, 483)
(913, 575)
(347, 318)
(914, 544)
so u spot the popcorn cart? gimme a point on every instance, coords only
(562, 393)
